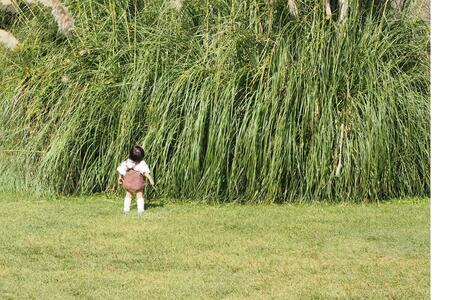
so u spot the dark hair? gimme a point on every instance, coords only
(137, 154)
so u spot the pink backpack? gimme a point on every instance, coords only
(133, 181)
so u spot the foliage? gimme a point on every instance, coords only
(230, 99)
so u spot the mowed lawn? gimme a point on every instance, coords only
(86, 248)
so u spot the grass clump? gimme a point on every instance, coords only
(230, 99)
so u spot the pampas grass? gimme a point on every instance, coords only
(47, 3)
(8, 5)
(343, 10)
(62, 17)
(60, 13)
(254, 114)
(8, 40)
(176, 4)
(293, 9)
(328, 8)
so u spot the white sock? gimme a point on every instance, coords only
(140, 205)
(126, 204)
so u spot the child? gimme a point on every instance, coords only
(131, 177)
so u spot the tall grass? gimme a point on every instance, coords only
(230, 99)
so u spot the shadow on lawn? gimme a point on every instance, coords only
(153, 204)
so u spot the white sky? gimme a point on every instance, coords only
(440, 150)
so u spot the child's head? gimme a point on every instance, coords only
(137, 154)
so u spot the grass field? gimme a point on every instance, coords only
(85, 248)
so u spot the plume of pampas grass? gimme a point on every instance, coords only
(8, 40)
(8, 5)
(343, 10)
(328, 8)
(43, 2)
(293, 9)
(397, 4)
(61, 15)
(176, 4)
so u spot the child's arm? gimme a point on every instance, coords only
(122, 169)
(150, 178)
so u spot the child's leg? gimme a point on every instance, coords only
(140, 202)
(127, 203)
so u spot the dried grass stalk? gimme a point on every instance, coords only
(293, 9)
(8, 40)
(339, 166)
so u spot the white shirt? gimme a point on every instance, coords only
(141, 167)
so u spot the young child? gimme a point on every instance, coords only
(131, 177)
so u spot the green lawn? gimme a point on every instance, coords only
(85, 248)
